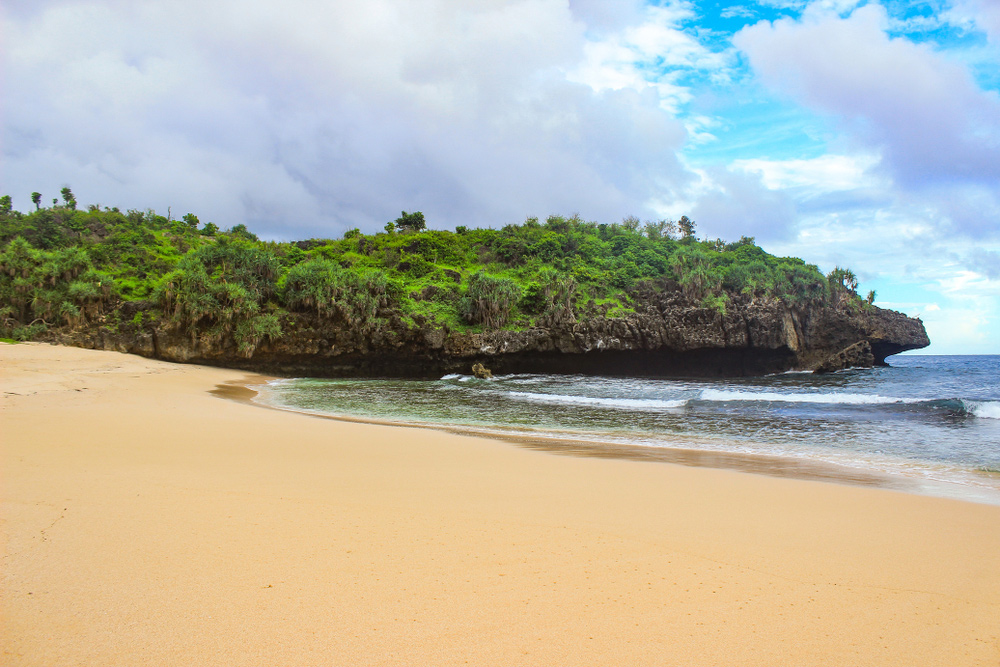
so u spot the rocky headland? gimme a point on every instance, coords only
(667, 336)
(563, 296)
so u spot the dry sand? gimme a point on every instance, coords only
(148, 522)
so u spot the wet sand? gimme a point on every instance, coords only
(146, 521)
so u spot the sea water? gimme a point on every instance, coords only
(934, 420)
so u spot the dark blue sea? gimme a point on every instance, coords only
(931, 423)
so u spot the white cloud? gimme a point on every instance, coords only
(986, 262)
(967, 282)
(983, 15)
(962, 329)
(932, 125)
(828, 183)
(827, 7)
(783, 4)
(303, 118)
(649, 55)
(826, 173)
(729, 204)
(600, 15)
(738, 11)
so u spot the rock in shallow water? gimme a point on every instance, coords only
(481, 372)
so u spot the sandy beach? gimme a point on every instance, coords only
(146, 521)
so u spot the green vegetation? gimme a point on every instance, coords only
(62, 267)
(411, 222)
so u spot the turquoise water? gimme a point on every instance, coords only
(932, 419)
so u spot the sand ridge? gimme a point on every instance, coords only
(147, 522)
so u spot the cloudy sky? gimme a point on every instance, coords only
(847, 133)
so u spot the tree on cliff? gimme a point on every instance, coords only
(686, 227)
(240, 231)
(36, 199)
(69, 201)
(843, 285)
(413, 222)
(844, 278)
(658, 229)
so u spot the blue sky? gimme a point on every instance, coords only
(847, 133)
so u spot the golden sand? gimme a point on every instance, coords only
(146, 521)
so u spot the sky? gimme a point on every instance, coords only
(857, 134)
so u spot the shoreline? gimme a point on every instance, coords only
(775, 465)
(761, 464)
(145, 522)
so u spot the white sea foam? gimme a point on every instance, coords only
(628, 403)
(523, 379)
(723, 396)
(451, 376)
(983, 409)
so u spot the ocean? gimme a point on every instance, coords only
(927, 424)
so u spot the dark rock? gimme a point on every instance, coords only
(434, 338)
(130, 308)
(858, 355)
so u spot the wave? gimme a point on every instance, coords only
(982, 409)
(523, 378)
(725, 396)
(514, 379)
(460, 377)
(628, 403)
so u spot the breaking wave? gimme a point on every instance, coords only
(723, 395)
(626, 403)
(982, 409)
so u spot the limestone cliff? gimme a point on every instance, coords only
(668, 335)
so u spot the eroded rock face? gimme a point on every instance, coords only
(858, 355)
(667, 336)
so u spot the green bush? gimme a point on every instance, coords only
(488, 300)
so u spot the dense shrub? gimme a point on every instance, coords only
(489, 300)
(62, 266)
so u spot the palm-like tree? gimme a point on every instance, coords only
(68, 198)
